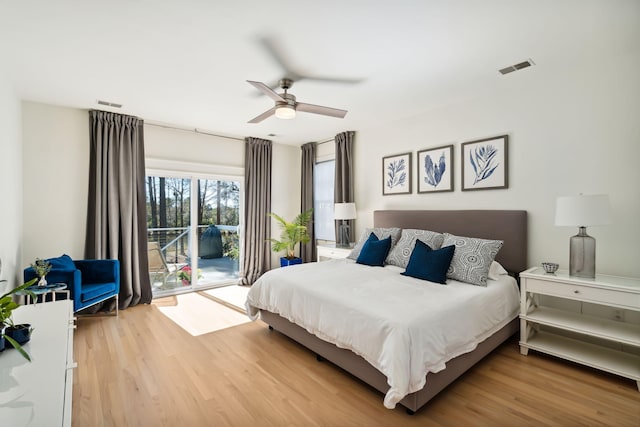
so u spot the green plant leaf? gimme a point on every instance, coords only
(18, 347)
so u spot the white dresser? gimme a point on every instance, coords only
(595, 322)
(39, 393)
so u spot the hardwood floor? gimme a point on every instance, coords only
(141, 369)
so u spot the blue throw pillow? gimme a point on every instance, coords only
(374, 251)
(63, 262)
(427, 264)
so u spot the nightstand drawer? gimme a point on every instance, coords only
(332, 252)
(584, 293)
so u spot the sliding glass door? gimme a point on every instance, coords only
(183, 257)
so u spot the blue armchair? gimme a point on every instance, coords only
(89, 281)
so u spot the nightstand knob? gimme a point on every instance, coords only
(576, 291)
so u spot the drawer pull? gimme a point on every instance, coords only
(576, 291)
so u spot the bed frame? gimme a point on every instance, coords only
(506, 225)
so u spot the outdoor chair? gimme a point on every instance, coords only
(158, 267)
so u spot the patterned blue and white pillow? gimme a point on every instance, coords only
(472, 258)
(401, 253)
(381, 233)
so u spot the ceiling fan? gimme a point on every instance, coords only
(286, 104)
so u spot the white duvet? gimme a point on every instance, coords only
(403, 326)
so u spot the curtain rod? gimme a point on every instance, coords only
(194, 130)
(324, 142)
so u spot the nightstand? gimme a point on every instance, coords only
(595, 322)
(331, 251)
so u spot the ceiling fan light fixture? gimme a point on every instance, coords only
(286, 112)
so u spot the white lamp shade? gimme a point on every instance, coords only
(285, 112)
(344, 211)
(583, 210)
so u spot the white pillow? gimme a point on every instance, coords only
(496, 270)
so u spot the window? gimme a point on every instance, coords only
(177, 247)
(323, 200)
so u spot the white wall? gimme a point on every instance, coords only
(10, 187)
(570, 131)
(55, 144)
(285, 189)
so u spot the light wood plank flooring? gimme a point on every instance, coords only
(141, 369)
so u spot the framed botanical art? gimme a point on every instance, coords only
(435, 169)
(485, 164)
(396, 174)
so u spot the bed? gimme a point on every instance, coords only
(368, 347)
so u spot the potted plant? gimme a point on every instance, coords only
(185, 275)
(292, 233)
(9, 332)
(41, 267)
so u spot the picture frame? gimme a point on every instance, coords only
(485, 163)
(396, 174)
(435, 169)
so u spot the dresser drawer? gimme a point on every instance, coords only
(584, 293)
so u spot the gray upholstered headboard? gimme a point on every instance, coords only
(509, 226)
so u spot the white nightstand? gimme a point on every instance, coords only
(331, 251)
(595, 322)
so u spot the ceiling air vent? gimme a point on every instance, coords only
(516, 67)
(109, 104)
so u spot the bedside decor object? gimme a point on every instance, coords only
(550, 267)
(484, 163)
(582, 211)
(435, 169)
(344, 212)
(41, 267)
(396, 174)
(291, 234)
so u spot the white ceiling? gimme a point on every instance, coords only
(186, 62)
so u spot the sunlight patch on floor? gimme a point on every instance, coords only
(199, 315)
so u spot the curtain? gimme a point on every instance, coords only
(117, 215)
(343, 182)
(308, 250)
(257, 223)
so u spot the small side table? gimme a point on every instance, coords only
(41, 292)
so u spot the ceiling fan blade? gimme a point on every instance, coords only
(263, 116)
(318, 109)
(266, 90)
(276, 52)
(340, 80)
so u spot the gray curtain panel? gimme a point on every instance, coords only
(308, 251)
(257, 223)
(117, 215)
(343, 191)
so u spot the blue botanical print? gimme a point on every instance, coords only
(396, 173)
(484, 162)
(433, 172)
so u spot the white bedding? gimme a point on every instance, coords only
(403, 326)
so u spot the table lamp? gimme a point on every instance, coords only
(582, 211)
(344, 212)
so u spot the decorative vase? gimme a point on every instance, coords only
(42, 282)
